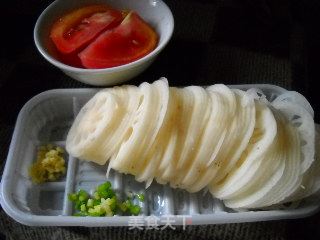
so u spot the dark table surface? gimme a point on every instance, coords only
(231, 42)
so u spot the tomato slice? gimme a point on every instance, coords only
(79, 27)
(129, 41)
(71, 59)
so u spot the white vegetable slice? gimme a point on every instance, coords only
(129, 99)
(244, 122)
(306, 186)
(157, 124)
(311, 179)
(231, 141)
(92, 126)
(249, 199)
(183, 120)
(231, 108)
(238, 136)
(199, 118)
(166, 168)
(291, 178)
(147, 174)
(130, 150)
(211, 141)
(295, 98)
(154, 156)
(225, 91)
(257, 94)
(303, 121)
(221, 123)
(168, 161)
(263, 137)
(293, 185)
(316, 173)
(196, 125)
(267, 176)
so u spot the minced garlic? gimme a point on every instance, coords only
(49, 166)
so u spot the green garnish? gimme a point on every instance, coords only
(96, 196)
(72, 197)
(103, 202)
(90, 203)
(140, 197)
(83, 208)
(83, 195)
(135, 209)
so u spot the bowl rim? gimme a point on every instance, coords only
(69, 68)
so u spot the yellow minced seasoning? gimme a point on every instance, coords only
(49, 165)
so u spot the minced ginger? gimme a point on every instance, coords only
(49, 166)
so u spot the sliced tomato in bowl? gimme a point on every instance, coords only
(76, 29)
(127, 42)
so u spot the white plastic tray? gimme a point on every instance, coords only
(46, 118)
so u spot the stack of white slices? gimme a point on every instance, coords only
(247, 151)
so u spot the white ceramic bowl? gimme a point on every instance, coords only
(155, 12)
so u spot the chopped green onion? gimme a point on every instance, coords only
(83, 195)
(83, 208)
(96, 196)
(122, 206)
(72, 197)
(127, 203)
(140, 197)
(106, 193)
(135, 209)
(96, 202)
(78, 205)
(113, 203)
(104, 186)
(104, 202)
(90, 202)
